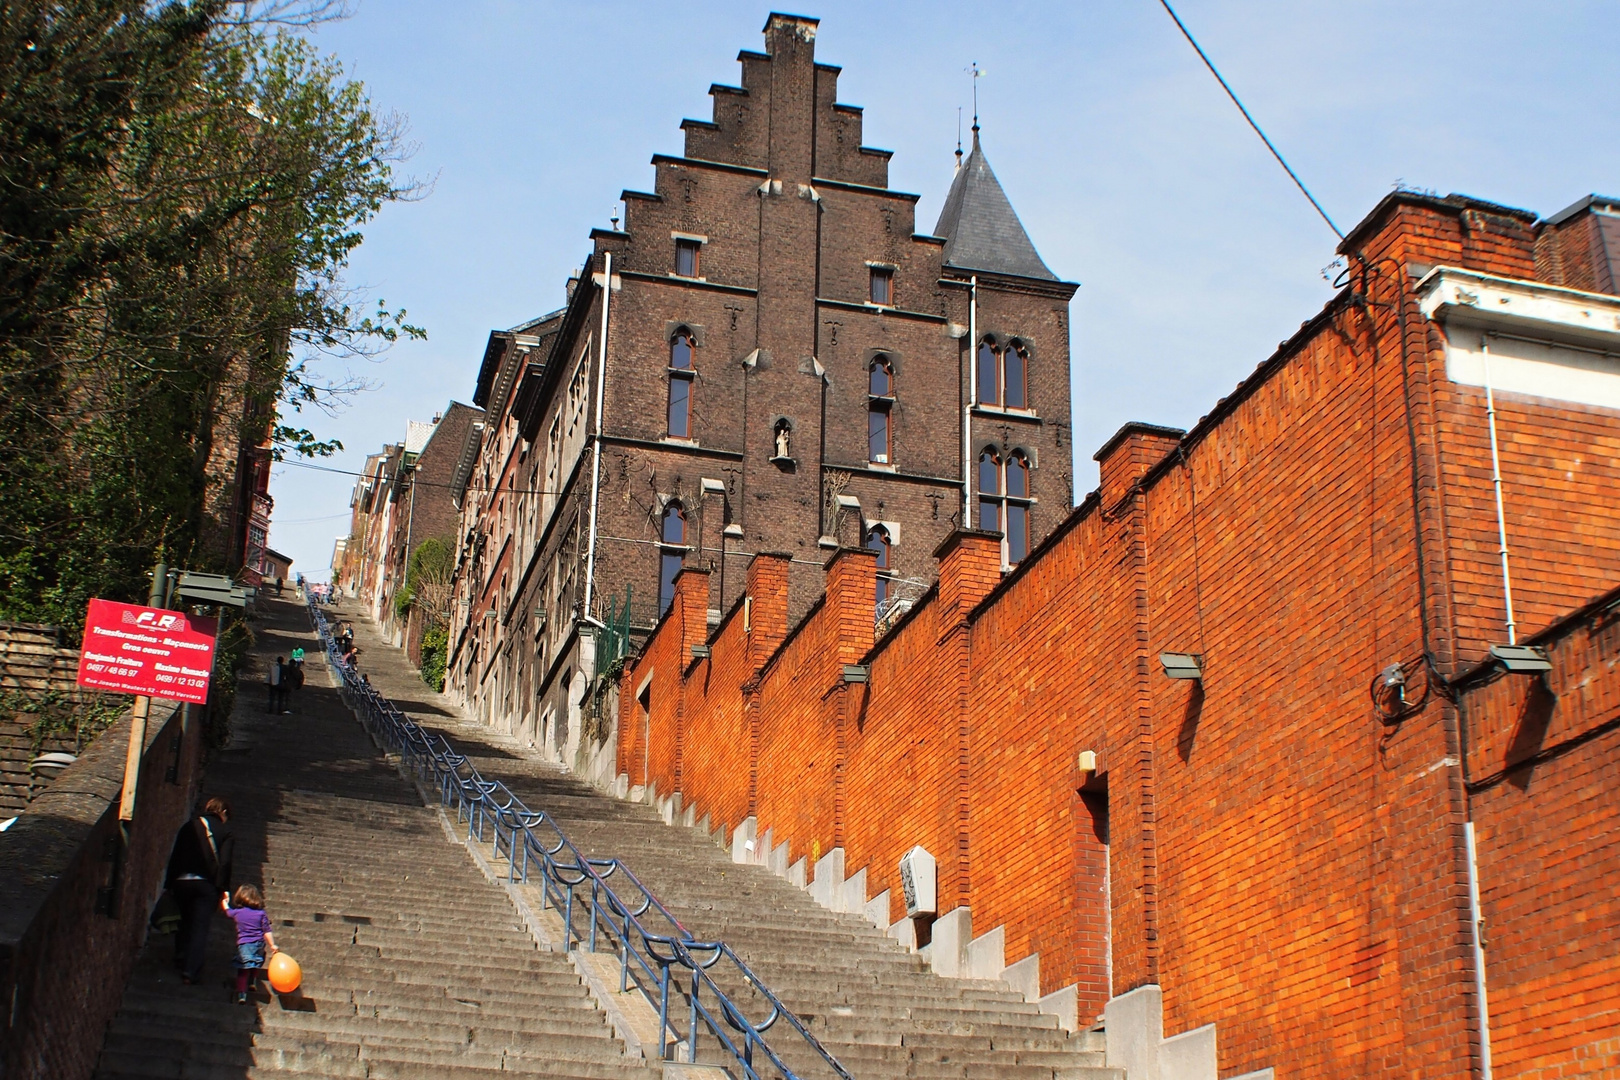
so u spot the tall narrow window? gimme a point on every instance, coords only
(882, 286)
(681, 372)
(1015, 376)
(879, 410)
(1017, 513)
(673, 537)
(989, 373)
(686, 257)
(990, 491)
(878, 540)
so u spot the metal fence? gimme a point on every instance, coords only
(601, 903)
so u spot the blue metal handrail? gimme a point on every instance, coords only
(526, 838)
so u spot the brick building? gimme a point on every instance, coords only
(1302, 728)
(768, 356)
(403, 498)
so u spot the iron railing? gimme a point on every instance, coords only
(674, 971)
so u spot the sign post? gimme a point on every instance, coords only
(148, 652)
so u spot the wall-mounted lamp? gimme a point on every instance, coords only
(700, 652)
(855, 673)
(1182, 665)
(1087, 761)
(1521, 659)
(1393, 679)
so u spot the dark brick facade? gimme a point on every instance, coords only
(791, 217)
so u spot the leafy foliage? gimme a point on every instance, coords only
(427, 583)
(435, 644)
(182, 183)
(53, 715)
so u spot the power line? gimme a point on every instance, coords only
(1233, 95)
(424, 483)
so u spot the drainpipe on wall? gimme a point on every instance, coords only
(972, 401)
(1496, 481)
(1477, 919)
(596, 445)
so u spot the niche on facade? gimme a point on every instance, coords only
(782, 444)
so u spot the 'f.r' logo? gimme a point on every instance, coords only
(150, 620)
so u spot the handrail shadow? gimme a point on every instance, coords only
(656, 963)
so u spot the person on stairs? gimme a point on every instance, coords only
(254, 942)
(199, 870)
(276, 680)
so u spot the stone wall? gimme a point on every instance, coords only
(63, 961)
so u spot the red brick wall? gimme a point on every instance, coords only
(1283, 858)
(1542, 757)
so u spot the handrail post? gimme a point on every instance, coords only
(692, 1027)
(663, 1012)
(596, 900)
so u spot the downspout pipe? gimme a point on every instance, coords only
(596, 438)
(1496, 482)
(972, 402)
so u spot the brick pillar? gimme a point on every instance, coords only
(766, 622)
(969, 567)
(850, 614)
(1125, 458)
(692, 608)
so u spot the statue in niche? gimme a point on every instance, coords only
(784, 448)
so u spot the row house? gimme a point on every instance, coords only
(401, 500)
(768, 356)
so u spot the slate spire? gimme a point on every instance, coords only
(980, 227)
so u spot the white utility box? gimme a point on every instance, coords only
(918, 879)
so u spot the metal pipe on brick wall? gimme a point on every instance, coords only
(596, 444)
(1478, 942)
(1496, 481)
(972, 400)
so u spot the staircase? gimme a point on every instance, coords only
(874, 1005)
(415, 966)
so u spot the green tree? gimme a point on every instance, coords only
(181, 186)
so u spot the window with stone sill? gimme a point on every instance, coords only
(880, 289)
(880, 411)
(682, 374)
(1004, 501)
(672, 535)
(686, 257)
(877, 539)
(1001, 374)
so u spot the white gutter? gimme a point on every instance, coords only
(596, 450)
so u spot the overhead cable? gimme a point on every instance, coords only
(1233, 95)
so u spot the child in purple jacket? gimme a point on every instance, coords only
(253, 936)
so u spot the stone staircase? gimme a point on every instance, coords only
(415, 965)
(871, 1002)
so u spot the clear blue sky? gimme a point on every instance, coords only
(1133, 173)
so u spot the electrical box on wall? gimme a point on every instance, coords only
(918, 881)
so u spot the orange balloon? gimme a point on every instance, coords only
(285, 974)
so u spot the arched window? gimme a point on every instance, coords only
(682, 369)
(1014, 376)
(989, 373)
(880, 410)
(877, 539)
(1004, 501)
(672, 534)
(1017, 512)
(990, 491)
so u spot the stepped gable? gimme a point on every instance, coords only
(980, 227)
(773, 93)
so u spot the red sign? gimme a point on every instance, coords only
(130, 649)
